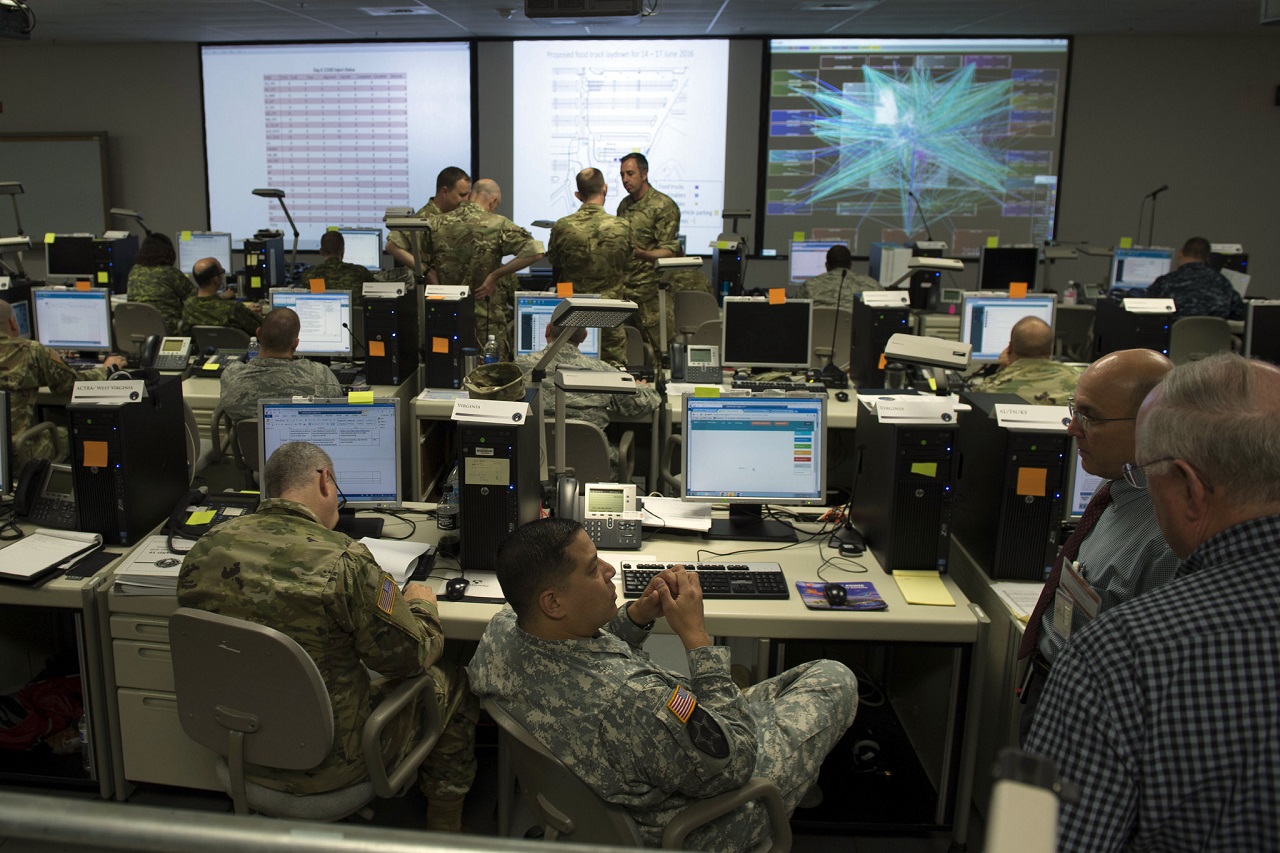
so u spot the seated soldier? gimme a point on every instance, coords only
(213, 304)
(337, 274)
(1027, 368)
(276, 372)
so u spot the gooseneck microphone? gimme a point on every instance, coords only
(920, 210)
(356, 340)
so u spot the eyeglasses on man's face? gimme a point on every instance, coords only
(1134, 474)
(1089, 421)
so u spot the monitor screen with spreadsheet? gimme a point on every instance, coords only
(73, 319)
(533, 312)
(325, 318)
(1133, 270)
(987, 321)
(809, 258)
(197, 245)
(362, 247)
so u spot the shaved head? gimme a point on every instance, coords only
(1031, 337)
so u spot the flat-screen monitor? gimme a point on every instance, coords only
(533, 313)
(986, 321)
(362, 439)
(754, 333)
(1001, 267)
(197, 245)
(22, 313)
(809, 258)
(751, 451)
(1133, 270)
(362, 247)
(325, 318)
(69, 256)
(1080, 488)
(1262, 330)
(73, 319)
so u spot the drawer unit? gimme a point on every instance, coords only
(157, 749)
(145, 665)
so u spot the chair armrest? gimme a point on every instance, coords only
(402, 698)
(626, 456)
(703, 812)
(221, 445)
(670, 451)
(59, 446)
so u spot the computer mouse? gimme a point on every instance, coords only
(835, 594)
(842, 396)
(456, 588)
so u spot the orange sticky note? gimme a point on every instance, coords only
(1032, 481)
(883, 361)
(564, 289)
(777, 295)
(95, 454)
(84, 285)
(377, 349)
(317, 285)
(1017, 289)
(440, 345)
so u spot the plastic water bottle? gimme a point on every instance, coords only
(1069, 295)
(253, 349)
(449, 516)
(489, 355)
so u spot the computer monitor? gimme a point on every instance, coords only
(362, 246)
(1080, 488)
(1002, 266)
(362, 439)
(755, 333)
(22, 313)
(69, 256)
(987, 321)
(533, 313)
(809, 258)
(325, 318)
(751, 451)
(197, 245)
(73, 319)
(1133, 270)
(1262, 329)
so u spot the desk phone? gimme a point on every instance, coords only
(46, 495)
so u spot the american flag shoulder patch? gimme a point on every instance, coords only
(681, 704)
(387, 598)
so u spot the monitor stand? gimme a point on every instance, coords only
(358, 528)
(747, 522)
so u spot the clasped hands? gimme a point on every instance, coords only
(675, 595)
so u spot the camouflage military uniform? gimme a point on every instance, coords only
(280, 567)
(655, 223)
(688, 280)
(596, 408)
(1198, 291)
(1036, 380)
(243, 385)
(400, 239)
(823, 289)
(213, 311)
(24, 367)
(601, 706)
(164, 287)
(339, 275)
(466, 245)
(591, 248)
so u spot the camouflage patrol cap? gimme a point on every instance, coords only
(500, 381)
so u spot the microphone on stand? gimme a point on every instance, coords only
(1155, 193)
(1151, 225)
(833, 376)
(356, 340)
(920, 209)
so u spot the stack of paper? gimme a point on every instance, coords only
(44, 552)
(397, 557)
(151, 568)
(676, 514)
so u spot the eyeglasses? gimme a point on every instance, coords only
(342, 499)
(1088, 421)
(1135, 476)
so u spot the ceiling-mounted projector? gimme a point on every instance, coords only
(583, 12)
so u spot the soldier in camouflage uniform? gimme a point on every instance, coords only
(655, 224)
(284, 566)
(837, 283)
(452, 187)
(276, 372)
(590, 248)
(1197, 290)
(213, 304)
(596, 408)
(156, 281)
(568, 663)
(467, 247)
(1027, 369)
(25, 366)
(336, 274)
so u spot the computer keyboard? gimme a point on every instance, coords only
(776, 385)
(347, 375)
(718, 580)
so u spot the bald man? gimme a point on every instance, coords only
(1028, 369)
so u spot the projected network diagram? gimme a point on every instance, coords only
(866, 147)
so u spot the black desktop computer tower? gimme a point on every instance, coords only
(449, 326)
(902, 491)
(1115, 329)
(872, 328)
(726, 268)
(1010, 491)
(391, 338)
(112, 260)
(498, 466)
(146, 461)
(263, 264)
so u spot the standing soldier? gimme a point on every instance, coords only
(452, 186)
(655, 224)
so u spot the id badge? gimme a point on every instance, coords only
(1063, 607)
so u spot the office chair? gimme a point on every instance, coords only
(1193, 338)
(693, 308)
(1073, 332)
(587, 452)
(200, 451)
(245, 446)
(672, 450)
(570, 811)
(254, 696)
(639, 353)
(60, 443)
(134, 322)
(219, 337)
(707, 334)
(826, 322)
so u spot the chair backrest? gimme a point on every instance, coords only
(133, 322)
(638, 352)
(1193, 338)
(693, 308)
(246, 443)
(192, 429)
(708, 334)
(219, 337)
(826, 323)
(1073, 332)
(586, 450)
(232, 675)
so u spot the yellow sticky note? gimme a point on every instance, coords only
(1126, 242)
(1032, 482)
(777, 295)
(209, 365)
(201, 516)
(923, 587)
(797, 236)
(251, 259)
(360, 396)
(104, 277)
(377, 349)
(925, 469)
(564, 289)
(332, 228)
(95, 454)
(81, 284)
(317, 285)
(49, 236)
(184, 237)
(993, 242)
(440, 345)
(255, 282)
(1017, 290)
(706, 391)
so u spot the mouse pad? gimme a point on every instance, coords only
(862, 596)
